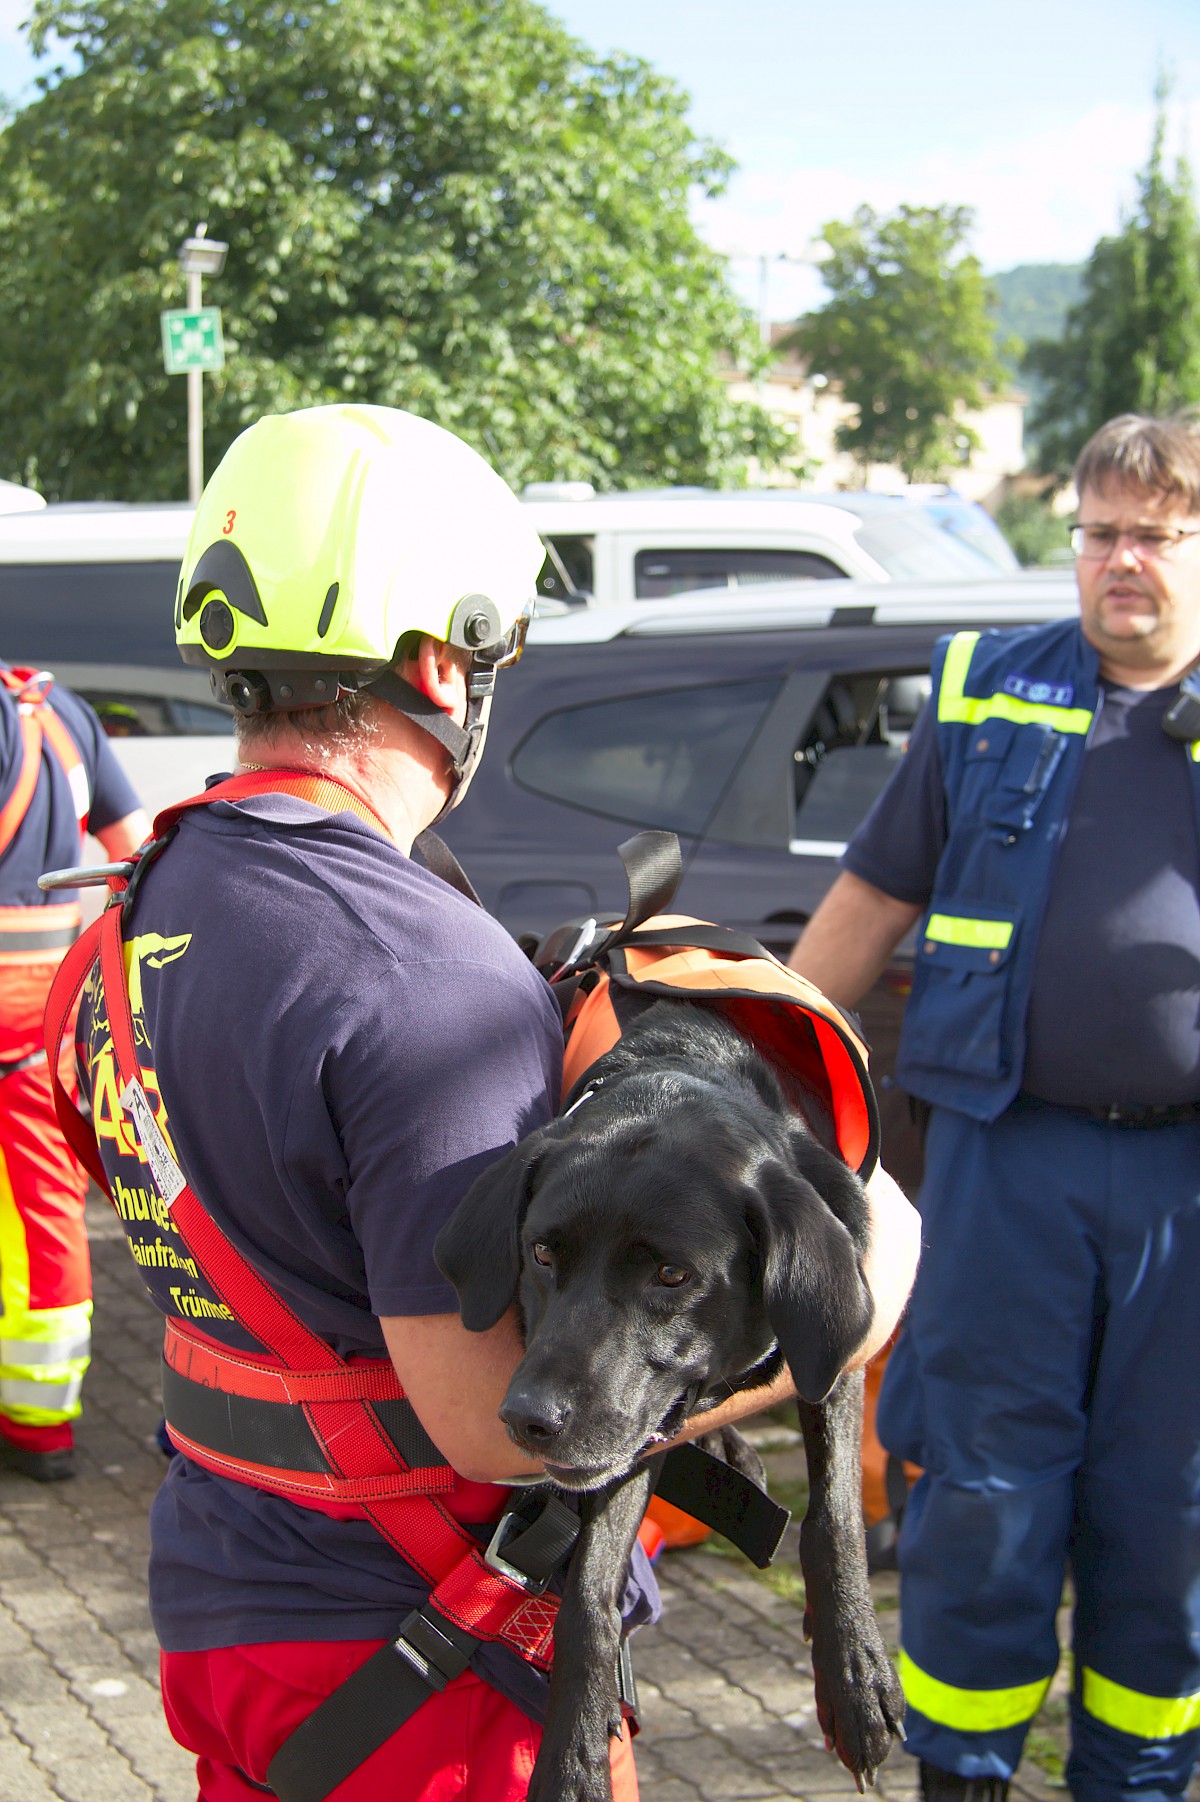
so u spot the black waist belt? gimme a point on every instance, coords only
(277, 1435)
(1130, 1115)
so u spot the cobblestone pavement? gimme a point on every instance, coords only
(725, 1680)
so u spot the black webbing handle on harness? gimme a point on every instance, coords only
(653, 871)
(429, 1652)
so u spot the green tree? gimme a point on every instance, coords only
(444, 205)
(1132, 342)
(908, 333)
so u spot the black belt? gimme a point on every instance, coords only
(1136, 1115)
(1144, 1114)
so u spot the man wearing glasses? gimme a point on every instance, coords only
(1043, 831)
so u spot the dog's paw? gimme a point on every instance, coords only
(575, 1770)
(860, 1704)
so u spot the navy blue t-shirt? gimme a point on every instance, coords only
(48, 837)
(337, 1044)
(1115, 1008)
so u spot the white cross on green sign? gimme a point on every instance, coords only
(192, 340)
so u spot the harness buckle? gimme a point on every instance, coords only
(437, 1651)
(544, 1540)
(508, 1524)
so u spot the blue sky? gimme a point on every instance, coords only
(1036, 113)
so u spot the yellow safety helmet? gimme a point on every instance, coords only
(327, 535)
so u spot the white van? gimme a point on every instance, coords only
(87, 590)
(644, 546)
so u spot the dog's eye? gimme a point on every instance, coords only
(671, 1275)
(542, 1254)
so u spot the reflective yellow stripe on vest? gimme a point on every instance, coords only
(957, 929)
(969, 1710)
(958, 708)
(1129, 1711)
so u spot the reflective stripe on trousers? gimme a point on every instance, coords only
(45, 1272)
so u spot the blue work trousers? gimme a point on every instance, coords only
(1048, 1383)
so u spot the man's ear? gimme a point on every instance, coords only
(439, 671)
(814, 1292)
(478, 1249)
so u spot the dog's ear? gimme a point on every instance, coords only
(478, 1249)
(815, 1295)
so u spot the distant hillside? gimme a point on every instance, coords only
(1034, 299)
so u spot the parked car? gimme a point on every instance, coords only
(86, 590)
(759, 729)
(609, 548)
(966, 521)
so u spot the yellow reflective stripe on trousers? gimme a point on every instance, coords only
(1129, 1711)
(969, 1710)
(959, 708)
(14, 1252)
(957, 929)
(43, 1359)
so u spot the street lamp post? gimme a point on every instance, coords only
(199, 256)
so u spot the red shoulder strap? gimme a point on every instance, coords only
(324, 792)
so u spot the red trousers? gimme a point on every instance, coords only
(45, 1275)
(234, 1708)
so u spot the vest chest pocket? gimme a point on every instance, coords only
(956, 1017)
(1006, 773)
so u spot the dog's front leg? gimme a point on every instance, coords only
(860, 1704)
(584, 1709)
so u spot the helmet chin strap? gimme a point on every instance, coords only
(462, 744)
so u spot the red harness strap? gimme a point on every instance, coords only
(367, 1468)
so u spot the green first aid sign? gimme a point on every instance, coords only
(192, 340)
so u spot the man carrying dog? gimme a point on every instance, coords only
(330, 1043)
(1043, 830)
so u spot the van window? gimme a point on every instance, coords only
(912, 549)
(88, 613)
(126, 713)
(568, 572)
(660, 759)
(659, 573)
(853, 742)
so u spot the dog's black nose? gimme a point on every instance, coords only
(535, 1419)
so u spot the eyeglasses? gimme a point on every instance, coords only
(1148, 543)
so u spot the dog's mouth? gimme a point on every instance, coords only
(583, 1477)
(671, 1422)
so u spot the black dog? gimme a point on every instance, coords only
(675, 1235)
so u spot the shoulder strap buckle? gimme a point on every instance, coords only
(528, 1552)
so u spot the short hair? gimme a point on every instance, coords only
(1132, 451)
(336, 726)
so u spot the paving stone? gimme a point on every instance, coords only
(20, 1778)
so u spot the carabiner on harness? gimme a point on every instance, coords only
(85, 875)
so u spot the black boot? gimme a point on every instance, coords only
(944, 1786)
